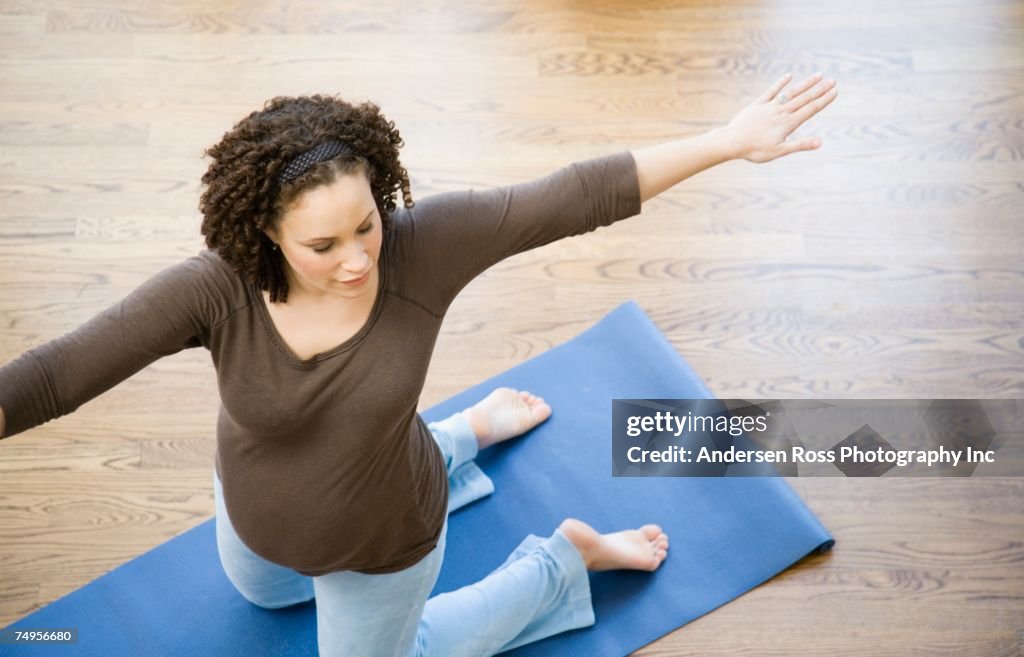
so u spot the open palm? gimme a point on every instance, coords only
(759, 132)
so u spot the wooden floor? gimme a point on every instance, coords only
(886, 264)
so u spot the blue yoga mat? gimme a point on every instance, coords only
(727, 535)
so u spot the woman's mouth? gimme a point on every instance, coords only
(357, 281)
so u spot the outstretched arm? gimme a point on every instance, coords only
(168, 312)
(757, 134)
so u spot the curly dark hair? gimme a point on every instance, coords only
(242, 197)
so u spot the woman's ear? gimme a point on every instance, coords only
(271, 234)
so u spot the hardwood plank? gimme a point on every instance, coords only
(886, 264)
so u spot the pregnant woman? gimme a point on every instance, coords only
(320, 302)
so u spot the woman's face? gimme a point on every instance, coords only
(329, 235)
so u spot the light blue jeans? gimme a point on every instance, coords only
(541, 589)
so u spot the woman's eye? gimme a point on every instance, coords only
(361, 231)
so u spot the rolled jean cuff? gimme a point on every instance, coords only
(463, 444)
(573, 608)
(569, 560)
(578, 597)
(466, 481)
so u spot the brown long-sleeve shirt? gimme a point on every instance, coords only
(325, 463)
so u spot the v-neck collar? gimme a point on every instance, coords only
(286, 351)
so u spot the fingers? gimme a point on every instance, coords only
(796, 95)
(788, 148)
(772, 92)
(808, 144)
(775, 88)
(817, 101)
(810, 92)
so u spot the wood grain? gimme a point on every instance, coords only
(886, 264)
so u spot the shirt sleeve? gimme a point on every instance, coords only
(452, 237)
(167, 313)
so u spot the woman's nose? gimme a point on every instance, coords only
(355, 260)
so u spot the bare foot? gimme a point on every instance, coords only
(634, 549)
(505, 413)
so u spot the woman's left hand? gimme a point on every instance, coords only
(758, 133)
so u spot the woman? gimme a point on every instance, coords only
(320, 303)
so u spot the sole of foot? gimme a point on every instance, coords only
(644, 548)
(506, 413)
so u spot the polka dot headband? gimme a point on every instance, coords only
(322, 152)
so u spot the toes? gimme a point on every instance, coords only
(660, 551)
(650, 532)
(656, 560)
(530, 398)
(539, 409)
